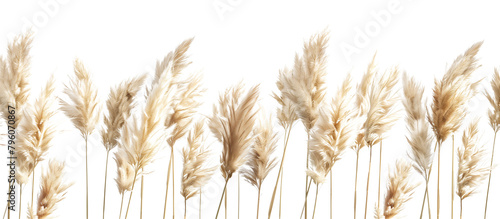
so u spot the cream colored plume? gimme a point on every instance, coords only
(232, 124)
(286, 112)
(494, 99)
(83, 107)
(399, 190)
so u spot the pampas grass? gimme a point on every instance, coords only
(419, 136)
(196, 171)
(471, 170)
(380, 114)
(332, 136)
(142, 134)
(286, 118)
(305, 87)
(184, 104)
(120, 103)
(83, 109)
(449, 102)
(399, 190)
(52, 191)
(260, 161)
(232, 124)
(38, 130)
(494, 118)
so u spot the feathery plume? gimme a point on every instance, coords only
(196, 172)
(305, 86)
(52, 190)
(399, 191)
(125, 172)
(471, 170)
(420, 139)
(260, 162)
(120, 103)
(83, 108)
(494, 99)
(333, 133)
(452, 93)
(286, 112)
(14, 76)
(232, 124)
(39, 129)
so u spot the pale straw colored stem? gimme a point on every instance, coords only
(489, 177)
(105, 182)
(221, 197)
(166, 191)
(131, 192)
(368, 180)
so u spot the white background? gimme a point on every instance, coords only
(251, 41)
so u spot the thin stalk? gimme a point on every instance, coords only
(105, 181)
(356, 182)
(166, 192)
(368, 179)
(32, 188)
(280, 171)
(6, 207)
(426, 193)
(185, 207)
(489, 178)
(238, 195)
(173, 182)
(379, 171)
(331, 195)
(20, 200)
(142, 192)
(315, 200)
(423, 201)
(452, 172)
(304, 206)
(281, 191)
(461, 208)
(258, 202)
(225, 204)
(438, 176)
(131, 192)
(86, 177)
(121, 205)
(221, 197)
(307, 167)
(199, 209)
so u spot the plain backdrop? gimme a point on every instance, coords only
(250, 41)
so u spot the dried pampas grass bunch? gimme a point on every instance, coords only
(494, 118)
(331, 136)
(305, 86)
(419, 134)
(83, 109)
(232, 124)
(260, 161)
(120, 103)
(196, 171)
(399, 190)
(472, 171)
(286, 117)
(38, 131)
(448, 109)
(52, 191)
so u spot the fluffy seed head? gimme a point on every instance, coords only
(494, 99)
(232, 124)
(286, 112)
(52, 190)
(399, 191)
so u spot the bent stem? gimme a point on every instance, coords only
(166, 191)
(379, 170)
(86, 177)
(105, 181)
(121, 205)
(258, 202)
(280, 174)
(356, 181)
(489, 177)
(368, 179)
(142, 192)
(131, 192)
(452, 172)
(438, 176)
(315, 201)
(221, 197)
